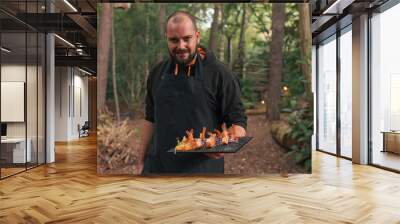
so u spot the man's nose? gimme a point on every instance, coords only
(181, 44)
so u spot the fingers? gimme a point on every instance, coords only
(237, 130)
(215, 155)
(139, 169)
(219, 155)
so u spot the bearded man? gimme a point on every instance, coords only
(191, 89)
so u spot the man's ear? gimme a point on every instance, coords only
(198, 37)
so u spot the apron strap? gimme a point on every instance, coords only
(198, 65)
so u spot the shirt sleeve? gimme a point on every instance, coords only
(149, 101)
(231, 104)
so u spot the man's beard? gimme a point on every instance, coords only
(185, 61)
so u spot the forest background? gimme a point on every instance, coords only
(268, 46)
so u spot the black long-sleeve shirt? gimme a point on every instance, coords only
(222, 86)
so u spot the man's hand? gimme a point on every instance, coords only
(140, 163)
(139, 168)
(215, 155)
(239, 132)
(146, 134)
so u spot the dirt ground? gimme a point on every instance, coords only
(262, 154)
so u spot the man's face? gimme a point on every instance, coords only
(182, 40)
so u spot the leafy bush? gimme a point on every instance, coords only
(249, 96)
(288, 103)
(301, 122)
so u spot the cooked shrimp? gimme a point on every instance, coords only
(210, 141)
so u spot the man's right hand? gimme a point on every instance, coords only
(139, 168)
(140, 162)
(146, 135)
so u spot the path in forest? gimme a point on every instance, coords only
(262, 154)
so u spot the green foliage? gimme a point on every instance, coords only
(138, 44)
(301, 122)
(249, 97)
(292, 75)
(289, 103)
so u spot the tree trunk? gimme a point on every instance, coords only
(305, 45)
(114, 75)
(221, 45)
(229, 51)
(212, 44)
(221, 48)
(276, 62)
(147, 41)
(161, 25)
(103, 54)
(138, 84)
(239, 64)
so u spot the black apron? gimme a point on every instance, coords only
(180, 104)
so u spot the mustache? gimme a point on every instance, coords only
(179, 51)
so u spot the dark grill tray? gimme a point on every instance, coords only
(232, 147)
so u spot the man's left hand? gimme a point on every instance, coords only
(215, 155)
(239, 132)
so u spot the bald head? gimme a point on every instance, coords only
(181, 17)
